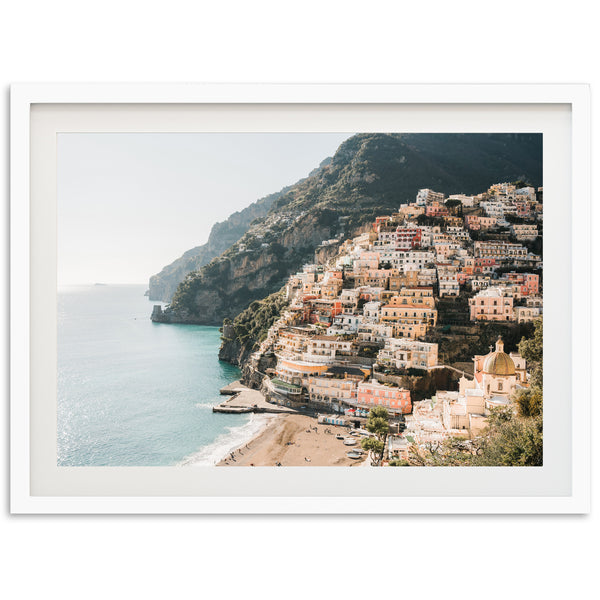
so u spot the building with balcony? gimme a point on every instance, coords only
(436, 209)
(427, 196)
(476, 223)
(525, 231)
(373, 393)
(492, 304)
(403, 353)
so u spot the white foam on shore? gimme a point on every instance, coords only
(235, 437)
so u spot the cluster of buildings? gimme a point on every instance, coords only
(463, 413)
(369, 310)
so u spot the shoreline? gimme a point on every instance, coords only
(294, 440)
(236, 437)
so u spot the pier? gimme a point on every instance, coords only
(246, 400)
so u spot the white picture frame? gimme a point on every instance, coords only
(515, 108)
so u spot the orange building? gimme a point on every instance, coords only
(373, 393)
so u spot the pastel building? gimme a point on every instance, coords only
(426, 277)
(331, 390)
(527, 284)
(412, 311)
(492, 304)
(524, 231)
(366, 261)
(293, 375)
(373, 393)
(527, 314)
(327, 349)
(497, 376)
(476, 223)
(322, 310)
(375, 332)
(404, 353)
(410, 211)
(498, 250)
(427, 196)
(498, 373)
(436, 209)
(345, 324)
(371, 312)
(448, 284)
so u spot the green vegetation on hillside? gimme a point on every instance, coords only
(251, 326)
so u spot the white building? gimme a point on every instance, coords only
(448, 284)
(404, 353)
(427, 196)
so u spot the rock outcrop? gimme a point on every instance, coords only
(163, 285)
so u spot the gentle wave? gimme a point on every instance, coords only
(235, 437)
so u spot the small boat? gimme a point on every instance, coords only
(349, 442)
(354, 454)
(339, 436)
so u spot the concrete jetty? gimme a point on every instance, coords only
(244, 400)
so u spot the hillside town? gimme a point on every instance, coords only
(357, 331)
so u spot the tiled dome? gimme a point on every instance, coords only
(498, 362)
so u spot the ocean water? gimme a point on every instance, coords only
(136, 393)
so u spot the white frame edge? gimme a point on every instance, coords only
(24, 95)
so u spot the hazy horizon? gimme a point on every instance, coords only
(131, 203)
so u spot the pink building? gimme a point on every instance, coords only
(528, 283)
(373, 393)
(475, 223)
(492, 304)
(435, 209)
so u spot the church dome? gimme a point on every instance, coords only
(498, 362)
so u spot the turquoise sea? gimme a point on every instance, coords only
(136, 393)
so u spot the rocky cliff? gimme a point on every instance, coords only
(163, 285)
(370, 175)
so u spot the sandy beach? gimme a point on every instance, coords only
(294, 441)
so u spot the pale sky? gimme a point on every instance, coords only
(129, 204)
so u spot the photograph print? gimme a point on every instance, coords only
(300, 299)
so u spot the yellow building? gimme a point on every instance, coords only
(411, 312)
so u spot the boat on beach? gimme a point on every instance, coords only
(349, 442)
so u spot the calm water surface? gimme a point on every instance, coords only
(133, 392)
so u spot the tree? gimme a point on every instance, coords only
(452, 452)
(529, 402)
(515, 442)
(378, 423)
(452, 203)
(532, 350)
(374, 445)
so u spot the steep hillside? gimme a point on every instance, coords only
(370, 175)
(222, 235)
